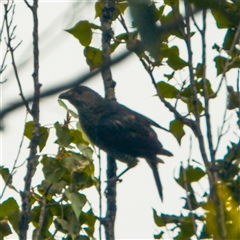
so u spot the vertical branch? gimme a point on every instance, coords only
(238, 96)
(198, 131)
(108, 8)
(205, 91)
(193, 219)
(216, 198)
(33, 158)
(107, 34)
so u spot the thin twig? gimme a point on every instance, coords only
(229, 62)
(205, 90)
(14, 167)
(42, 213)
(11, 49)
(193, 220)
(238, 93)
(182, 119)
(220, 133)
(100, 193)
(122, 21)
(198, 131)
(27, 3)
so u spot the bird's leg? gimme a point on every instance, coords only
(131, 162)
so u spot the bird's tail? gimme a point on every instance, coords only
(165, 152)
(153, 165)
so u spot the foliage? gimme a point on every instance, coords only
(56, 201)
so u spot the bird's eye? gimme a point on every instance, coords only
(79, 91)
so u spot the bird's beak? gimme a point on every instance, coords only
(65, 95)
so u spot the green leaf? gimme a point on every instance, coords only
(6, 175)
(74, 161)
(35, 216)
(62, 104)
(78, 201)
(193, 202)
(216, 47)
(82, 31)
(174, 61)
(159, 235)
(190, 174)
(190, 105)
(157, 219)
(169, 76)
(221, 20)
(199, 70)
(90, 220)
(78, 138)
(229, 38)
(160, 11)
(200, 87)
(204, 234)
(54, 188)
(93, 57)
(52, 169)
(122, 7)
(5, 229)
(221, 63)
(10, 211)
(233, 98)
(167, 90)
(43, 134)
(63, 134)
(186, 229)
(176, 128)
(98, 9)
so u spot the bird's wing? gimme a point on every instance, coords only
(127, 131)
(148, 120)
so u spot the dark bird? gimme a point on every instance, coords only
(122, 133)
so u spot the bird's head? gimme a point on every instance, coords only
(82, 97)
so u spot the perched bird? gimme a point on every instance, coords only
(122, 133)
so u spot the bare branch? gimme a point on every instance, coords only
(33, 157)
(108, 8)
(190, 123)
(205, 90)
(193, 220)
(42, 213)
(229, 62)
(27, 3)
(14, 167)
(11, 50)
(100, 193)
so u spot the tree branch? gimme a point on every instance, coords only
(11, 49)
(108, 8)
(33, 158)
(205, 91)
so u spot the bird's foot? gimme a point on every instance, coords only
(114, 180)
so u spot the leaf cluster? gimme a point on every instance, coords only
(57, 202)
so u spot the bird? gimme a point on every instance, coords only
(122, 133)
